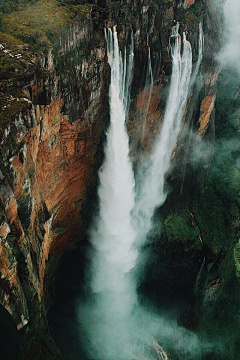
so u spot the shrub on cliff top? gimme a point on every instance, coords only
(41, 21)
(7, 6)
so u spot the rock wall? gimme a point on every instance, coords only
(50, 152)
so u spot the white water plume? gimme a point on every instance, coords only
(230, 55)
(152, 193)
(114, 235)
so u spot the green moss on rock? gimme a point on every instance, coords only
(179, 227)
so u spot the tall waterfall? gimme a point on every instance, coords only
(152, 179)
(114, 235)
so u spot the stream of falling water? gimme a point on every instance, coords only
(152, 178)
(114, 235)
(115, 325)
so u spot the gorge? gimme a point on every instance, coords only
(119, 180)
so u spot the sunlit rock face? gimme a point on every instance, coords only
(52, 149)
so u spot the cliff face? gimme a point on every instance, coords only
(53, 130)
(50, 151)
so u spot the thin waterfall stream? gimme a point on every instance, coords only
(151, 192)
(115, 325)
(113, 234)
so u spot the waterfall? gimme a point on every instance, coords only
(113, 236)
(113, 323)
(151, 192)
(200, 54)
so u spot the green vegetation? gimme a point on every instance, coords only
(27, 31)
(237, 258)
(220, 215)
(181, 228)
(7, 6)
(40, 21)
(13, 71)
(190, 20)
(212, 195)
(217, 210)
(10, 107)
(228, 105)
(193, 16)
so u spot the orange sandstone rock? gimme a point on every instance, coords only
(188, 3)
(206, 109)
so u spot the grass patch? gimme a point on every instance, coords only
(39, 22)
(11, 41)
(7, 6)
(180, 228)
(27, 31)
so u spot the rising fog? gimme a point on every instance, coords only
(230, 55)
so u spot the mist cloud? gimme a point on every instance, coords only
(230, 54)
(115, 339)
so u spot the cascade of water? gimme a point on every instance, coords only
(113, 235)
(115, 325)
(151, 193)
(200, 54)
